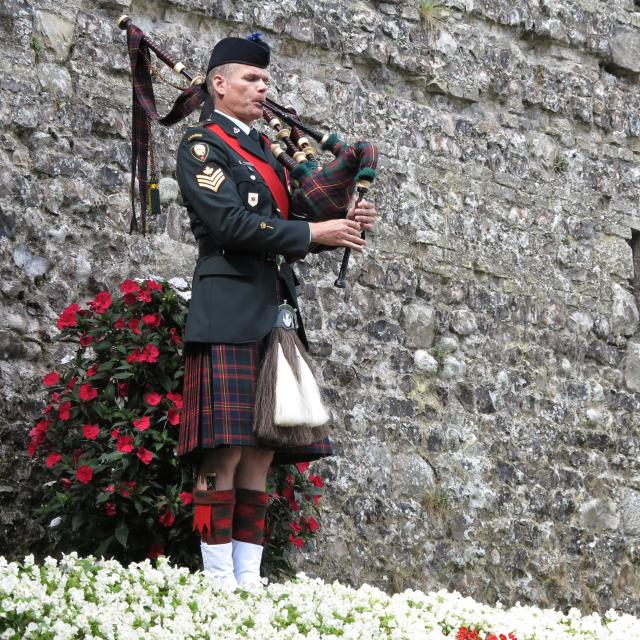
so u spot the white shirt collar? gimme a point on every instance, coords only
(245, 128)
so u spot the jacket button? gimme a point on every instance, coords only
(253, 177)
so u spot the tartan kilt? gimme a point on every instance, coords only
(219, 394)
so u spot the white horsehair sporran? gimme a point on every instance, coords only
(288, 410)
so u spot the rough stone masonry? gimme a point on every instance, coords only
(483, 364)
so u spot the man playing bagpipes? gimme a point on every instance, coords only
(244, 294)
(250, 399)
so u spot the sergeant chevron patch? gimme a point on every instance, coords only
(210, 179)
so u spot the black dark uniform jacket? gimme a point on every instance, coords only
(235, 220)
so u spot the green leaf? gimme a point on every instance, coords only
(102, 548)
(78, 520)
(102, 498)
(122, 533)
(164, 380)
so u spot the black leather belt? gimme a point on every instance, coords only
(207, 247)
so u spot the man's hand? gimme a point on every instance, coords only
(365, 213)
(338, 233)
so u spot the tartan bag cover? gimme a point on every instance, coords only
(327, 192)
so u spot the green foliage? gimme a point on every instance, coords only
(560, 163)
(37, 46)
(433, 14)
(109, 432)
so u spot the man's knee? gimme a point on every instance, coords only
(221, 460)
(257, 459)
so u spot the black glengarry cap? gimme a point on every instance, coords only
(252, 51)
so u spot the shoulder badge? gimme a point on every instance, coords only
(210, 179)
(193, 136)
(200, 151)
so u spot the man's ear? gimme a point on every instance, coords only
(219, 85)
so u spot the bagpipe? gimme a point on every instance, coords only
(319, 193)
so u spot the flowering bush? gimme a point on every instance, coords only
(291, 518)
(85, 598)
(109, 431)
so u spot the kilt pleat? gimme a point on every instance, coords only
(219, 396)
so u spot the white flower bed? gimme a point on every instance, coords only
(88, 599)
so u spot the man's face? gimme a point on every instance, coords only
(242, 92)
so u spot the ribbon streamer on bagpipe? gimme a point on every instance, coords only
(324, 192)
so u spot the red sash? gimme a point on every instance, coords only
(268, 173)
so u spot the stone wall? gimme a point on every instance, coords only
(484, 363)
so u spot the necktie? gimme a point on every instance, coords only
(255, 136)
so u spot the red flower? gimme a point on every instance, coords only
(48, 409)
(72, 382)
(127, 487)
(316, 499)
(129, 299)
(174, 337)
(296, 542)
(64, 411)
(50, 379)
(152, 399)
(123, 389)
(110, 488)
(52, 460)
(144, 296)
(151, 353)
(65, 482)
(85, 340)
(90, 431)
(110, 509)
(152, 285)
(155, 550)
(101, 303)
(173, 416)
(295, 527)
(311, 524)
(166, 518)
(119, 324)
(316, 481)
(129, 286)
(302, 466)
(124, 444)
(68, 317)
(145, 455)
(115, 433)
(87, 392)
(152, 320)
(55, 396)
(289, 479)
(91, 371)
(41, 428)
(176, 398)
(142, 424)
(186, 497)
(84, 474)
(134, 325)
(294, 505)
(135, 356)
